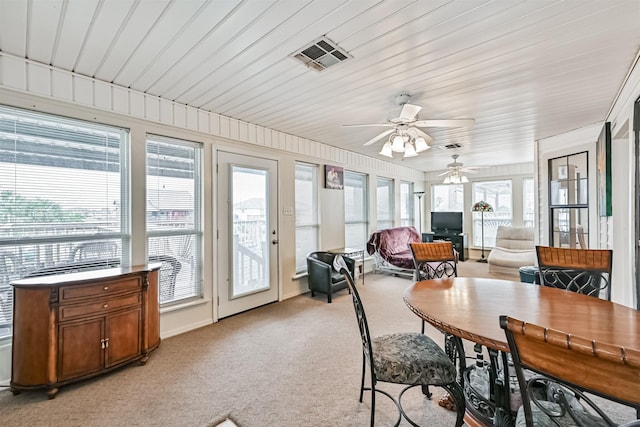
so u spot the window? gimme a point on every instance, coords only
(528, 202)
(569, 201)
(174, 215)
(406, 203)
(499, 195)
(65, 203)
(384, 203)
(307, 227)
(356, 220)
(447, 198)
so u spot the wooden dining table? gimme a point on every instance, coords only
(469, 309)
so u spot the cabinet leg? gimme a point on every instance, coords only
(52, 392)
(14, 391)
(144, 359)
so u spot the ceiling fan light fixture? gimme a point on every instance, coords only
(409, 150)
(421, 144)
(397, 143)
(386, 150)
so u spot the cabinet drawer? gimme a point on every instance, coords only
(97, 307)
(71, 293)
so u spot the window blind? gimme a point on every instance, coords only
(174, 216)
(64, 199)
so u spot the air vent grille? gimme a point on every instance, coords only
(452, 146)
(321, 54)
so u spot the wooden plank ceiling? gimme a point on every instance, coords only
(524, 70)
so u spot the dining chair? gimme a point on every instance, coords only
(434, 260)
(169, 269)
(408, 358)
(585, 271)
(563, 367)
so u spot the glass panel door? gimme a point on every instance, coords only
(247, 233)
(250, 232)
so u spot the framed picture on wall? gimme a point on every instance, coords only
(603, 148)
(333, 177)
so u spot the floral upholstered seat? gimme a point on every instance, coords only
(411, 358)
(408, 358)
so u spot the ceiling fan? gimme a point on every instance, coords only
(455, 170)
(405, 135)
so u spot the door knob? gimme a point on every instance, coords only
(275, 242)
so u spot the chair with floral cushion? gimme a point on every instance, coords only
(556, 369)
(408, 358)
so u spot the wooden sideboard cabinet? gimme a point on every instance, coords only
(70, 327)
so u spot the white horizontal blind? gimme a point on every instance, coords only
(174, 215)
(64, 198)
(307, 227)
(356, 210)
(406, 203)
(384, 203)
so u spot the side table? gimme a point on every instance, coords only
(351, 253)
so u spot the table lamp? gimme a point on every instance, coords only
(482, 207)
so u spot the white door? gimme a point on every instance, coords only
(247, 233)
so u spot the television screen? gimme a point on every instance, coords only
(449, 222)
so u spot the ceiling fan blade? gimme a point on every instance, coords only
(426, 137)
(445, 173)
(445, 123)
(380, 136)
(467, 170)
(368, 124)
(409, 111)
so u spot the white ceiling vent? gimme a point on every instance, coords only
(451, 146)
(321, 54)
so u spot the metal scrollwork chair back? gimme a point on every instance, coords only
(408, 358)
(585, 271)
(564, 367)
(434, 260)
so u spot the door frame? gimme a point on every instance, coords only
(222, 242)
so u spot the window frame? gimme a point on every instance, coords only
(88, 158)
(314, 225)
(489, 220)
(186, 286)
(385, 203)
(362, 221)
(407, 204)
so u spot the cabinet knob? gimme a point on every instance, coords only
(106, 288)
(105, 306)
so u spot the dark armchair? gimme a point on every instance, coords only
(323, 277)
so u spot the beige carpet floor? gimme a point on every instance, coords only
(294, 363)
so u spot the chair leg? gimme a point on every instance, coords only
(329, 297)
(422, 329)
(364, 366)
(425, 391)
(455, 391)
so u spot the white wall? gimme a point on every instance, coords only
(34, 86)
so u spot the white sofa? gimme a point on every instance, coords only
(514, 249)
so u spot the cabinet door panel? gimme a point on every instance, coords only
(124, 334)
(80, 351)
